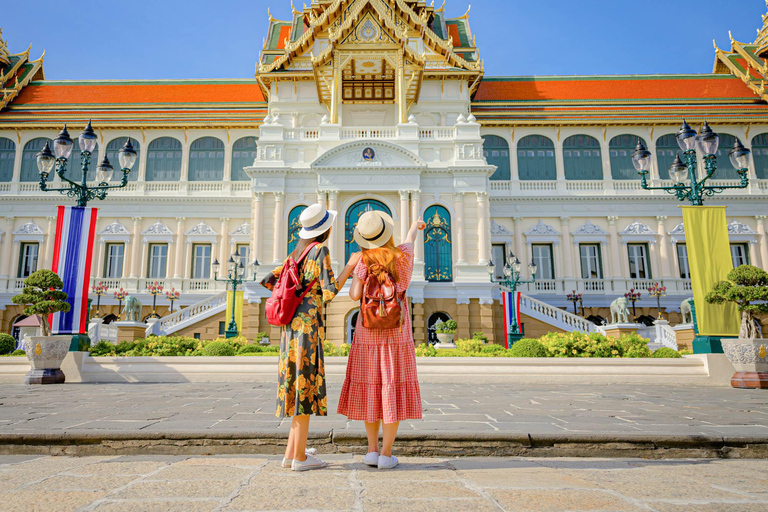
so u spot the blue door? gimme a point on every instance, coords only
(438, 262)
(353, 213)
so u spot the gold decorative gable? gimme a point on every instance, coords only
(368, 31)
(16, 71)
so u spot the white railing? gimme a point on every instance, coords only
(500, 186)
(437, 133)
(241, 186)
(161, 186)
(29, 187)
(643, 284)
(538, 186)
(183, 315)
(545, 285)
(368, 133)
(205, 186)
(301, 133)
(5, 187)
(584, 185)
(554, 316)
(666, 335)
(591, 285)
(199, 285)
(97, 331)
(627, 185)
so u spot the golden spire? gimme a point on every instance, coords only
(762, 37)
(4, 53)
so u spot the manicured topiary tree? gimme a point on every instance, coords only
(745, 286)
(42, 296)
(7, 343)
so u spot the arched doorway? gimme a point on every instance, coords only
(437, 245)
(109, 319)
(353, 214)
(434, 318)
(16, 331)
(351, 324)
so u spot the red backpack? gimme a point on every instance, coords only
(282, 305)
(381, 306)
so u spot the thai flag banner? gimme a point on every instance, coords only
(72, 255)
(509, 301)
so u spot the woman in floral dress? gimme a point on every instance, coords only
(301, 371)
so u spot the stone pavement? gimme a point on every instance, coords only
(448, 409)
(230, 483)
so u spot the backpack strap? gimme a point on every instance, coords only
(298, 262)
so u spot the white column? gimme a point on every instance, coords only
(7, 245)
(98, 268)
(520, 249)
(47, 249)
(224, 241)
(458, 226)
(565, 229)
(404, 223)
(135, 247)
(144, 258)
(664, 256)
(418, 249)
(256, 227)
(616, 270)
(142, 167)
(322, 199)
(559, 165)
(277, 242)
(335, 86)
(484, 228)
(187, 259)
(402, 106)
(228, 160)
(337, 253)
(762, 240)
(185, 161)
(17, 165)
(178, 269)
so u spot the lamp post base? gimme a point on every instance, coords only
(709, 344)
(231, 331)
(514, 338)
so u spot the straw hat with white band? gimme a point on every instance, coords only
(374, 229)
(315, 220)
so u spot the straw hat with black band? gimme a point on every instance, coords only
(374, 229)
(315, 220)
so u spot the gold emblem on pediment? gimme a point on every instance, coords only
(368, 31)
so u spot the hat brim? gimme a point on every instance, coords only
(389, 229)
(325, 226)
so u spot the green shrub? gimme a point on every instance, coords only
(271, 348)
(472, 345)
(426, 350)
(635, 346)
(480, 336)
(493, 349)
(250, 349)
(259, 336)
(18, 352)
(7, 343)
(686, 352)
(344, 349)
(667, 352)
(218, 349)
(447, 327)
(528, 348)
(102, 348)
(579, 344)
(329, 349)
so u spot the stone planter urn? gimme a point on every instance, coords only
(750, 359)
(45, 354)
(445, 340)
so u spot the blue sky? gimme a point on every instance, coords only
(145, 39)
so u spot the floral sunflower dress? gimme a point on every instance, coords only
(301, 372)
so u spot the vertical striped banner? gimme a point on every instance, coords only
(72, 255)
(510, 302)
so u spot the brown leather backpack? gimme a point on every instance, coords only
(382, 306)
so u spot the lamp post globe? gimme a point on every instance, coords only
(707, 140)
(62, 144)
(686, 137)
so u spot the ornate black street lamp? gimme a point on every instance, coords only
(511, 279)
(687, 186)
(235, 276)
(172, 297)
(155, 289)
(99, 291)
(632, 296)
(62, 147)
(576, 299)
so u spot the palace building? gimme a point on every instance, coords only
(386, 104)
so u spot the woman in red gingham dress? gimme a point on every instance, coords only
(381, 382)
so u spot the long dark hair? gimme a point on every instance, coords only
(304, 243)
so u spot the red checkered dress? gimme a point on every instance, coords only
(381, 381)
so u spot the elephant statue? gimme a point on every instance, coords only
(132, 309)
(685, 312)
(620, 311)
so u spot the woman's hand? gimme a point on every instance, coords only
(415, 228)
(420, 224)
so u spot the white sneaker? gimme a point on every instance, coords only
(309, 451)
(387, 462)
(371, 459)
(309, 464)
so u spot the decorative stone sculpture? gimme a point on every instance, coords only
(132, 309)
(685, 312)
(619, 311)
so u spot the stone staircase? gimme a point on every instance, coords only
(189, 316)
(555, 317)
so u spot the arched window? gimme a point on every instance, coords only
(437, 245)
(760, 155)
(164, 160)
(666, 151)
(353, 213)
(536, 158)
(243, 155)
(581, 158)
(351, 325)
(496, 152)
(75, 164)
(29, 170)
(113, 148)
(622, 147)
(433, 320)
(206, 160)
(294, 226)
(725, 171)
(7, 157)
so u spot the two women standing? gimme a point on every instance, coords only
(381, 382)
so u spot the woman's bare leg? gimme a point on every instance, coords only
(300, 437)
(372, 431)
(291, 439)
(388, 438)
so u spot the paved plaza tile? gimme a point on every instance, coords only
(249, 483)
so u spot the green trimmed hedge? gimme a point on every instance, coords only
(7, 343)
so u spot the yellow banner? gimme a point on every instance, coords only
(238, 310)
(709, 257)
